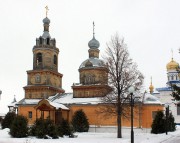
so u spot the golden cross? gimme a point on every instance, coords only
(46, 10)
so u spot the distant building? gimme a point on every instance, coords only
(12, 106)
(165, 92)
(45, 97)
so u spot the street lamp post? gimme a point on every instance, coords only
(131, 90)
(167, 115)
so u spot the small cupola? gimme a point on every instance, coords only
(151, 87)
(93, 45)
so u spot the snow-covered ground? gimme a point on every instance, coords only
(94, 137)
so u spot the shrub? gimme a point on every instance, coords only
(44, 127)
(171, 123)
(8, 119)
(161, 125)
(65, 128)
(158, 125)
(19, 127)
(80, 122)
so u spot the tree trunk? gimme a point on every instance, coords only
(119, 134)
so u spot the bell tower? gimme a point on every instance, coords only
(44, 80)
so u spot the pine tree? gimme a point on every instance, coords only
(171, 123)
(7, 121)
(43, 127)
(19, 127)
(158, 125)
(80, 122)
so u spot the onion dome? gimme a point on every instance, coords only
(151, 88)
(94, 44)
(46, 34)
(46, 20)
(172, 65)
(92, 63)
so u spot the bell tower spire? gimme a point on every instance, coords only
(44, 80)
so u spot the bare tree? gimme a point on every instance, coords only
(123, 73)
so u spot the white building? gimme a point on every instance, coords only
(164, 93)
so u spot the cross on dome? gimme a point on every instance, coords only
(46, 10)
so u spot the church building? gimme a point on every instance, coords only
(164, 93)
(46, 98)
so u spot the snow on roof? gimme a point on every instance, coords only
(164, 89)
(13, 104)
(67, 98)
(58, 105)
(28, 101)
(150, 99)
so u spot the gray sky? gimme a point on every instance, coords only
(151, 28)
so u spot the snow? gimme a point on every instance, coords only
(151, 99)
(58, 105)
(68, 99)
(97, 137)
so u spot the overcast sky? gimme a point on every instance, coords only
(151, 28)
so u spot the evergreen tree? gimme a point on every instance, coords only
(171, 123)
(161, 124)
(158, 125)
(19, 127)
(80, 122)
(7, 121)
(43, 127)
(176, 92)
(65, 128)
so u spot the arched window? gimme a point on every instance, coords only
(55, 59)
(89, 79)
(40, 40)
(39, 58)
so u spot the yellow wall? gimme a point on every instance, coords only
(142, 115)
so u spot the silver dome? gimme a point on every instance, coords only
(93, 43)
(46, 20)
(95, 62)
(46, 35)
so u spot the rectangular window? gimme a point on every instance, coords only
(30, 114)
(178, 109)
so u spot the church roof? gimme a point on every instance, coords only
(150, 99)
(164, 89)
(46, 35)
(93, 43)
(60, 100)
(67, 98)
(95, 62)
(172, 65)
